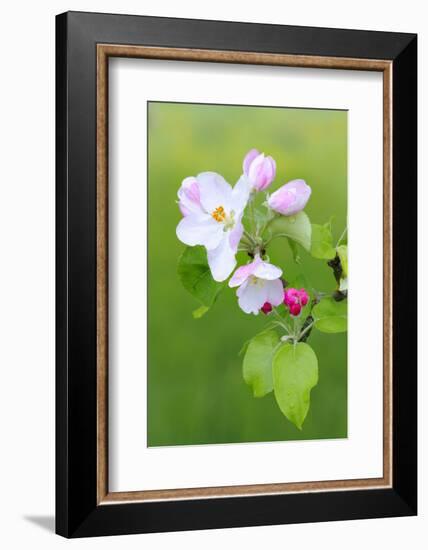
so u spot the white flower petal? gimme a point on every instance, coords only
(235, 235)
(251, 297)
(200, 229)
(241, 275)
(189, 197)
(240, 194)
(275, 292)
(214, 191)
(222, 260)
(187, 206)
(267, 271)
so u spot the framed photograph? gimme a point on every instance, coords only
(236, 274)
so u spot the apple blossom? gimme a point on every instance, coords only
(291, 198)
(212, 213)
(295, 300)
(259, 282)
(259, 170)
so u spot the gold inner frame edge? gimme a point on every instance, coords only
(104, 51)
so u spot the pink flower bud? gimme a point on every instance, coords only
(260, 170)
(295, 299)
(295, 309)
(266, 308)
(291, 198)
(291, 296)
(304, 298)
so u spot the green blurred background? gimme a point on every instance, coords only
(196, 393)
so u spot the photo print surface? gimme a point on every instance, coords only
(247, 274)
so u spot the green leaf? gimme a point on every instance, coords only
(296, 227)
(295, 251)
(200, 312)
(295, 373)
(331, 316)
(244, 347)
(322, 242)
(257, 365)
(196, 278)
(342, 252)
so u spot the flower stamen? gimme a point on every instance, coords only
(256, 281)
(219, 214)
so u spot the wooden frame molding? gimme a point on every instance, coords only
(84, 504)
(104, 51)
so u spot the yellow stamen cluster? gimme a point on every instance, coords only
(219, 214)
(256, 281)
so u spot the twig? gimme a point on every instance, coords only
(305, 330)
(281, 321)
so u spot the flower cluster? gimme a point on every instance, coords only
(295, 300)
(212, 217)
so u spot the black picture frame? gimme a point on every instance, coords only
(77, 512)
